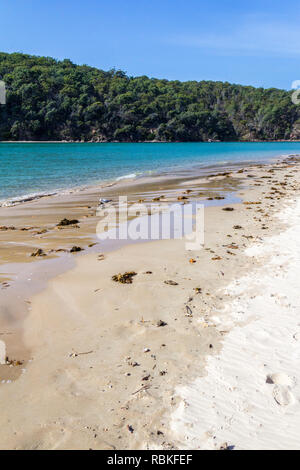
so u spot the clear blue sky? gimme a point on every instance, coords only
(252, 43)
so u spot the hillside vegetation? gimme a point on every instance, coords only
(58, 100)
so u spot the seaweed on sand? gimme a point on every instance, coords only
(125, 278)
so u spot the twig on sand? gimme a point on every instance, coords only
(80, 354)
(145, 387)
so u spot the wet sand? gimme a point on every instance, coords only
(31, 225)
(102, 364)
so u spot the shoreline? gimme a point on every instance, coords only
(64, 319)
(38, 218)
(202, 159)
(141, 141)
(135, 180)
(132, 181)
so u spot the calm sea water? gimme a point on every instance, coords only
(27, 169)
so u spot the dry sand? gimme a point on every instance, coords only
(102, 371)
(249, 395)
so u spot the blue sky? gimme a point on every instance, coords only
(252, 43)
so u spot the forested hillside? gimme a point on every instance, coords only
(58, 100)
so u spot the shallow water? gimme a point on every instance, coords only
(29, 169)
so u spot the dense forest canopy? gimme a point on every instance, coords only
(58, 100)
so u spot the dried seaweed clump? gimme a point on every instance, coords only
(125, 278)
(75, 249)
(38, 252)
(65, 222)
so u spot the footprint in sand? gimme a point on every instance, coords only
(283, 396)
(281, 391)
(51, 437)
(280, 378)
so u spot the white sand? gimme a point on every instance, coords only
(2, 352)
(250, 395)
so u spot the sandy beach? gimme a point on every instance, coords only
(207, 361)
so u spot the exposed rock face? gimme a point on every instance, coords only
(295, 133)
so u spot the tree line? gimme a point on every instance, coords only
(49, 99)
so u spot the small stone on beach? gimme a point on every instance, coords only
(171, 283)
(161, 323)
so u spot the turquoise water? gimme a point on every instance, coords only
(27, 169)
